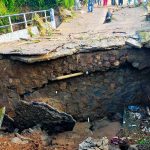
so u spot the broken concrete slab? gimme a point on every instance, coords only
(134, 43)
(140, 39)
(92, 144)
(52, 121)
(144, 36)
(50, 56)
(84, 46)
(8, 123)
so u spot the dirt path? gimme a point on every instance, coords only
(125, 20)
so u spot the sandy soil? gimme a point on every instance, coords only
(63, 141)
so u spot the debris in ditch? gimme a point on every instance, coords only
(136, 119)
(136, 122)
(115, 140)
(52, 121)
(92, 144)
(133, 108)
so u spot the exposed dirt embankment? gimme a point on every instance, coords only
(91, 94)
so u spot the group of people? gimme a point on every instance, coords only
(91, 3)
(99, 3)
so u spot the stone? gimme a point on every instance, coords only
(106, 64)
(133, 43)
(94, 144)
(98, 57)
(112, 59)
(29, 115)
(133, 147)
(8, 123)
(17, 140)
(106, 58)
(135, 64)
(116, 63)
(144, 36)
(63, 86)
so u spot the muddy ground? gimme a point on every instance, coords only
(38, 140)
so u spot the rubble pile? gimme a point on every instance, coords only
(92, 144)
(141, 39)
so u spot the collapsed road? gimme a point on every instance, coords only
(111, 71)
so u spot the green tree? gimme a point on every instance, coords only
(65, 3)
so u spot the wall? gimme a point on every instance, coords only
(17, 35)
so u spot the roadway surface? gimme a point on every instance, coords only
(125, 20)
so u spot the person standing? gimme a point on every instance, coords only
(108, 17)
(120, 2)
(99, 2)
(105, 2)
(77, 5)
(90, 5)
(113, 2)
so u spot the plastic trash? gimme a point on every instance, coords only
(133, 108)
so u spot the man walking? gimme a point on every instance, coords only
(105, 2)
(99, 2)
(90, 5)
(120, 2)
(77, 5)
(113, 2)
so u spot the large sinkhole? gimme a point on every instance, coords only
(109, 81)
(98, 94)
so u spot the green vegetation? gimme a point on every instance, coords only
(144, 141)
(19, 6)
(16, 6)
(65, 3)
(44, 28)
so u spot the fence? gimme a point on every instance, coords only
(46, 15)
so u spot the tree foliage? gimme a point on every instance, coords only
(65, 3)
(16, 6)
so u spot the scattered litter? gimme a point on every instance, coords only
(87, 72)
(94, 144)
(136, 119)
(133, 108)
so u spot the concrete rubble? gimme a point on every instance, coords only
(94, 144)
(29, 115)
(142, 39)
